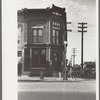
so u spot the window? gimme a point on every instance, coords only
(53, 23)
(55, 36)
(40, 36)
(43, 56)
(38, 57)
(59, 24)
(19, 53)
(37, 36)
(56, 23)
(42, 52)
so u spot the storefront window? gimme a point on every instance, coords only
(43, 56)
(43, 52)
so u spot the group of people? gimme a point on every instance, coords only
(71, 73)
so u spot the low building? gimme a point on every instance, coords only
(42, 33)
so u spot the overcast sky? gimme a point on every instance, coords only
(77, 11)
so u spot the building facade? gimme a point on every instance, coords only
(41, 47)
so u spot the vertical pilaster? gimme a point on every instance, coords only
(49, 29)
(23, 56)
(49, 54)
(30, 58)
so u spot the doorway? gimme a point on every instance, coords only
(57, 62)
(38, 58)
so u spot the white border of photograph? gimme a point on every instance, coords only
(9, 51)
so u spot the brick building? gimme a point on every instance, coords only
(41, 47)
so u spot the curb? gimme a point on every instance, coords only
(49, 80)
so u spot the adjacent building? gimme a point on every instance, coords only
(41, 36)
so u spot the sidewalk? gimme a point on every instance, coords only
(47, 79)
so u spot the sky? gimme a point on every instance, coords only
(77, 11)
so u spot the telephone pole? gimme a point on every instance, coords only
(82, 27)
(74, 51)
(65, 45)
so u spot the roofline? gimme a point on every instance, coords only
(48, 8)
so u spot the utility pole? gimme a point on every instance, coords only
(65, 44)
(82, 27)
(74, 51)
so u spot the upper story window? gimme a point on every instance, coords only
(56, 23)
(55, 36)
(37, 36)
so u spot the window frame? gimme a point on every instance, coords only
(39, 38)
(55, 38)
(19, 54)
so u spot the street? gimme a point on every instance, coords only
(75, 90)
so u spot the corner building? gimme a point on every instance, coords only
(43, 32)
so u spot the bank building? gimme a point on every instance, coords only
(42, 41)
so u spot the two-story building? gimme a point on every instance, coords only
(43, 32)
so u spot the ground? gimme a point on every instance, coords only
(70, 90)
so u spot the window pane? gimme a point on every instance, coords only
(53, 39)
(57, 33)
(57, 24)
(34, 39)
(40, 33)
(34, 32)
(43, 52)
(19, 53)
(53, 32)
(40, 39)
(53, 23)
(57, 41)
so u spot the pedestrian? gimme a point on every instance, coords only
(72, 73)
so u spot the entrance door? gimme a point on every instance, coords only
(56, 62)
(35, 58)
(38, 58)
